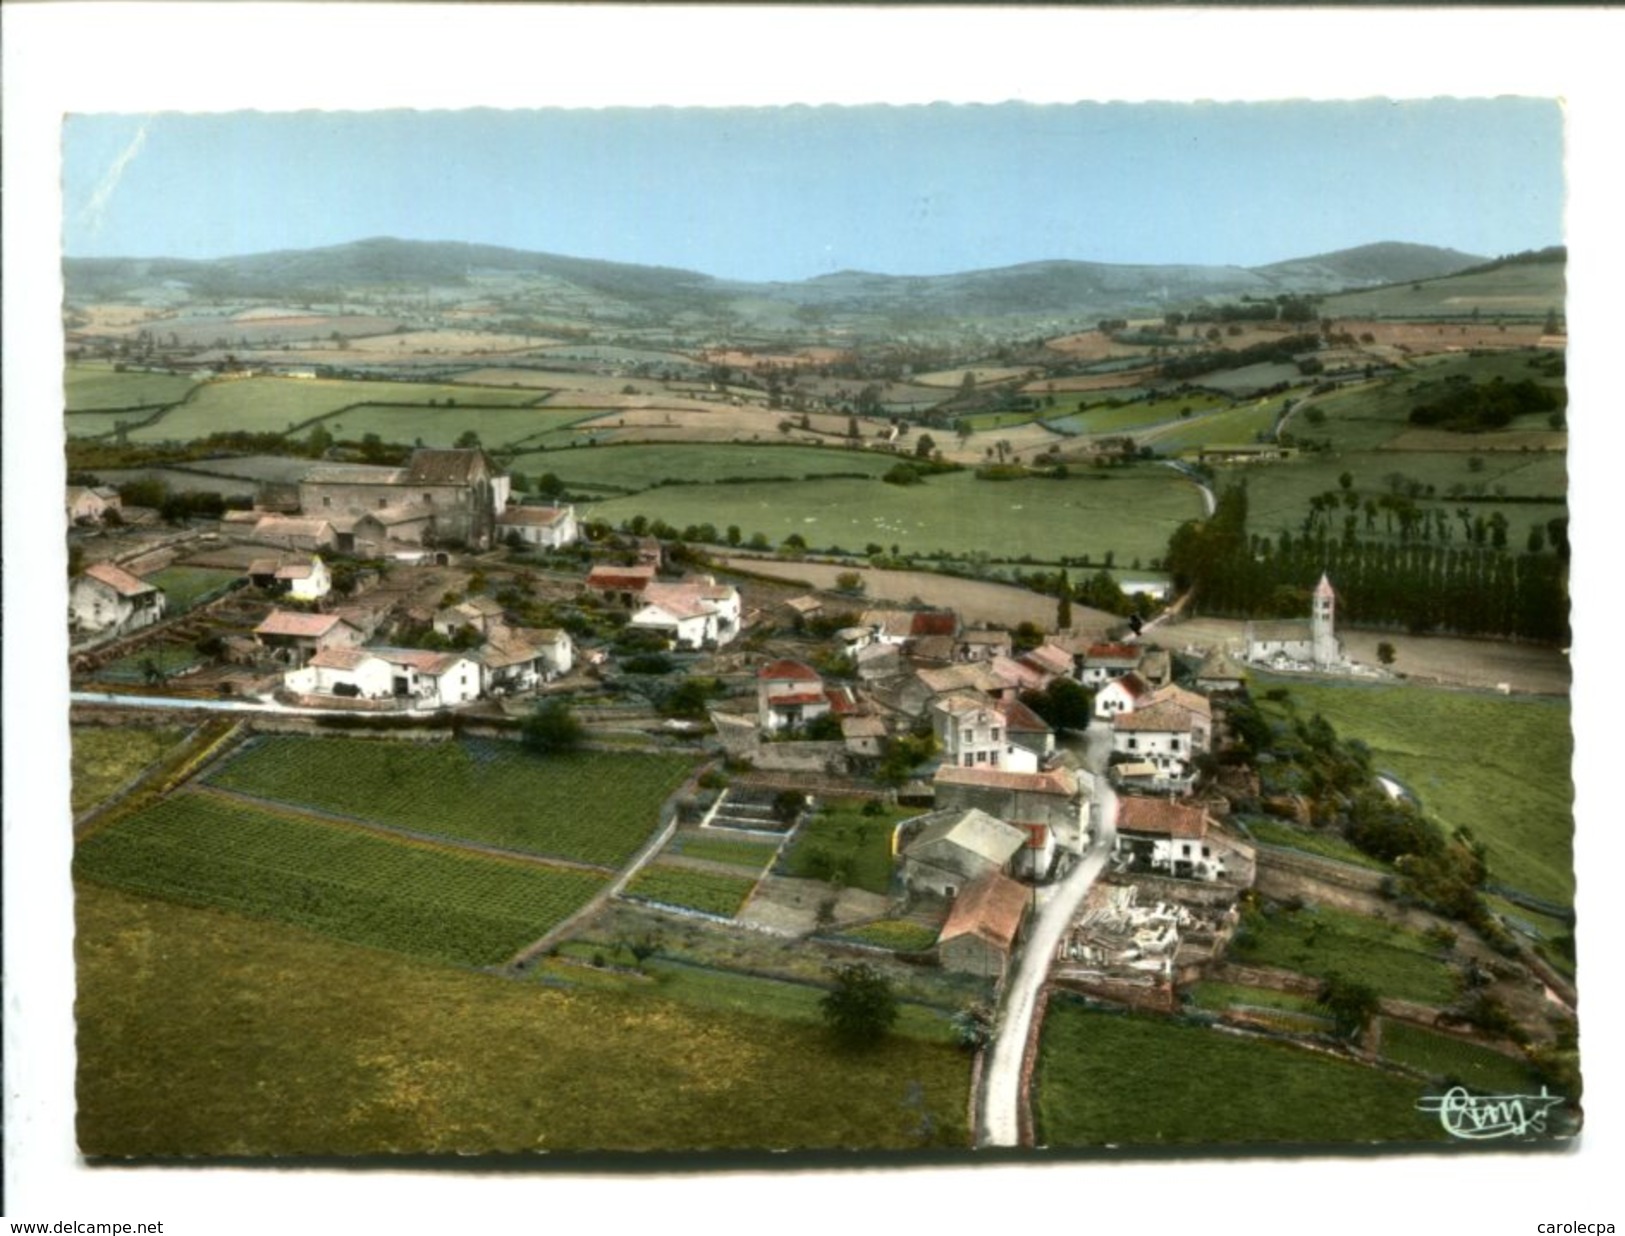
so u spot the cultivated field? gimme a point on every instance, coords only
(200, 849)
(1102, 1079)
(235, 1022)
(276, 405)
(840, 842)
(1498, 765)
(1450, 1060)
(183, 586)
(707, 891)
(1322, 941)
(498, 428)
(491, 792)
(446, 343)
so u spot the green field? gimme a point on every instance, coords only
(696, 890)
(90, 387)
(1117, 1079)
(1129, 511)
(498, 428)
(274, 405)
(1311, 841)
(492, 792)
(639, 466)
(1231, 427)
(201, 1032)
(166, 658)
(105, 757)
(1449, 1059)
(1527, 289)
(465, 909)
(900, 934)
(1130, 417)
(1322, 941)
(1218, 996)
(754, 855)
(183, 585)
(1499, 765)
(840, 841)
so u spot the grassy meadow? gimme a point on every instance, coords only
(1499, 765)
(1322, 941)
(105, 757)
(1130, 512)
(1105, 1079)
(92, 386)
(636, 467)
(239, 1058)
(839, 838)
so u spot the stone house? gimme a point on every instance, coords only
(623, 585)
(108, 600)
(976, 731)
(1121, 695)
(1056, 798)
(306, 579)
(984, 923)
(293, 532)
(1100, 663)
(447, 496)
(695, 613)
(1180, 839)
(949, 849)
(789, 694)
(483, 614)
(89, 504)
(294, 637)
(1164, 734)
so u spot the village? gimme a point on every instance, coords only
(1051, 810)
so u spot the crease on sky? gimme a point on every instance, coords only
(95, 210)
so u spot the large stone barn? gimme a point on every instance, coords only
(983, 926)
(441, 497)
(949, 850)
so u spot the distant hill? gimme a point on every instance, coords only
(613, 290)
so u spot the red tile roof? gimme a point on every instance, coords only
(118, 579)
(1058, 782)
(620, 578)
(341, 658)
(1161, 817)
(841, 702)
(291, 622)
(796, 697)
(792, 671)
(934, 622)
(1018, 717)
(990, 907)
(532, 516)
(1112, 652)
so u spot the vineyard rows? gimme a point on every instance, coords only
(464, 909)
(593, 807)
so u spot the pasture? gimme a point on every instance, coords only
(477, 790)
(1447, 1059)
(1523, 290)
(237, 1059)
(839, 842)
(1499, 765)
(278, 405)
(633, 468)
(1130, 512)
(91, 386)
(1235, 426)
(105, 757)
(184, 586)
(1102, 1079)
(498, 428)
(1321, 941)
(204, 850)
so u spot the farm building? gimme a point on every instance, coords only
(483, 614)
(293, 637)
(983, 644)
(89, 504)
(549, 527)
(950, 849)
(1312, 642)
(983, 925)
(292, 532)
(863, 735)
(1165, 734)
(621, 584)
(108, 600)
(304, 579)
(1218, 674)
(1057, 799)
(514, 659)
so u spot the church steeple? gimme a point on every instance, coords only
(1322, 616)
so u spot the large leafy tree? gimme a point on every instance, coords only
(861, 1008)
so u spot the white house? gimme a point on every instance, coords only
(1165, 735)
(1168, 838)
(307, 579)
(550, 527)
(295, 637)
(1120, 695)
(426, 679)
(108, 600)
(1101, 663)
(90, 503)
(973, 732)
(788, 695)
(695, 613)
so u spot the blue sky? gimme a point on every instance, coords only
(789, 193)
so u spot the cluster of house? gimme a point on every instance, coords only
(689, 614)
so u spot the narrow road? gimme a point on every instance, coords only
(998, 1121)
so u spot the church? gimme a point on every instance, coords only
(1312, 642)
